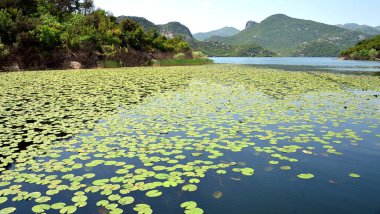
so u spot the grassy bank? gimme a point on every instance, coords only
(179, 62)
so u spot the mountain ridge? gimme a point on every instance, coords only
(285, 35)
(223, 32)
(279, 33)
(361, 28)
(212, 48)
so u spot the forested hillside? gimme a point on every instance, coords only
(365, 50)
(285, 35)
(37, 34)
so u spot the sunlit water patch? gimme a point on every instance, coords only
(236, 141)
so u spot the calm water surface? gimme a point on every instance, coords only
(305, 63)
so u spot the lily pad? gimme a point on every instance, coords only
(8, 210)
(190, 187)
(58, 206)
(196, 210)
(143, 209)
(217, 194)
(153, 193)
(126, 200)
(3, 200)
(354, 175)
(189, 205)
(41, 208)
(68, 210)
(306, 176)
(221, 172)
(286, 168)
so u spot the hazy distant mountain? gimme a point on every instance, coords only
(173, 29)
(223, 32)
(361, 28)
(286, 36)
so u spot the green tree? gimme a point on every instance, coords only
(49, 31)
(4, 52)
(373, 53)
(46, 33)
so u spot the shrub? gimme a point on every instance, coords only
(179, 56)
(111, 64)
(109, 51)
(373, 53)
(3, 50)
(198, 55)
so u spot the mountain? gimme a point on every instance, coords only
(211, 48)
(365, 50)
(169, 30)
(223, 32)
(317, 49)
(285, 35)
(143, 22)
(173, 29)
(361, 28)
(250, 24)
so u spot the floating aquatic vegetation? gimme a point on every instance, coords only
(189, 187)
(153, 193)
(217, 194)
(143, 209)
(191, 207)
(306, 176)
(8, 210)
(354, 175)
(286, 168)
(165, 128)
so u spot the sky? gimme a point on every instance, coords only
(207, 15)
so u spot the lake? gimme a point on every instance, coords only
(305, 64)
(200, 139)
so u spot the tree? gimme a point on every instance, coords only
(4, 52)
(27, 7)
(47, 33)
(87, 6)
(373, 53)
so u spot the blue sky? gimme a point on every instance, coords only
(206, 15)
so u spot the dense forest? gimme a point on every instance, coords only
(365, 50)
(42, 34)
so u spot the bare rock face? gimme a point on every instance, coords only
(75, 65)
(250, 24)
(172, 29)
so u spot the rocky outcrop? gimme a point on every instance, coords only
(75, 65)
(250, 24)
(173, 29)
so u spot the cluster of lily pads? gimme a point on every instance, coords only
(183, 129)
(38, 108)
